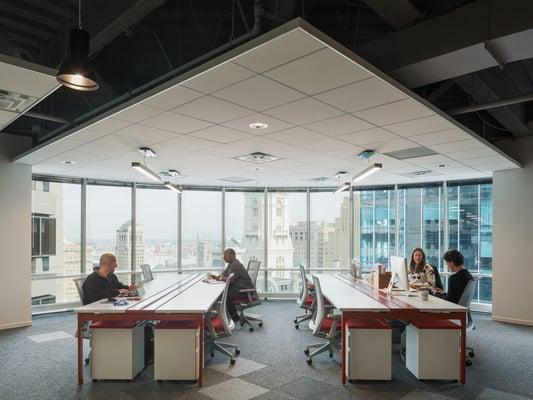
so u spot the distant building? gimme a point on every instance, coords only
(123, 246)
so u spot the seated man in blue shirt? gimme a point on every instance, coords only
(458, 279)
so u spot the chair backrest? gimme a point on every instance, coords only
(147, 272)
(438, 280)
(304, 291)
(253, 270)
(320, 312)
(467, 297)
(223, 312)
(79, 286)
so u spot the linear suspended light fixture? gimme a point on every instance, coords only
(143, 169)
(174, 187)
(342, 187)
(75, 70)
(367, 172)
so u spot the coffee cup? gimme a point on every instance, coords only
(424, 295)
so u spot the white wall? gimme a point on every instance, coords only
(15, 236)
(513, 237)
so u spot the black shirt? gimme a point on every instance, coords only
(241, 279)
(97, 287)
(456, 285)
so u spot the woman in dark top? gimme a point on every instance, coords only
(458, 279)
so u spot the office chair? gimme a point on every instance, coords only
(438, 280)
(323, 325)
(86, 332)
(249, 298)
(306, 300)
(147, 272)
(219, 326)
(465, 301)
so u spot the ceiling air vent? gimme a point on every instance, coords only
(413, 152)
(236, 179)
(14, 102)
(257, 157)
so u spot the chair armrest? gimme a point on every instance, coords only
(334, 316)
(246, 290)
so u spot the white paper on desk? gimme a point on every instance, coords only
(212, 281)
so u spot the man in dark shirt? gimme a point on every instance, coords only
(458, 280)
(103, 283)
(240, 280)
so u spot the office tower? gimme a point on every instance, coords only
(123, 246)
(279, 243)
(319, 247)
(337, 252)
(203, 254)
(72, 264)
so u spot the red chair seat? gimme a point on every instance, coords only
(216, 322)
(309, 300)
(326, 324)
(243, 298)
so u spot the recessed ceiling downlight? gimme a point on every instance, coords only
(68, 162)
(258, 125)
(257, 157)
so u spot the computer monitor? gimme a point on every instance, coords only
(355, 269)
(399, 272)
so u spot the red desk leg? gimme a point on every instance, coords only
(201, 352)
(463, 348)
(80, 350)
(343, 350)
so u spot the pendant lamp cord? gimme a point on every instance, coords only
(79, 14)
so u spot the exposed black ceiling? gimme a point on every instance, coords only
(137, 44)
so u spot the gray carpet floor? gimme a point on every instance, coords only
(271, 366)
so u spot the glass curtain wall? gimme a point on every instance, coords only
(56, 250)
(202, 230)
(157, 229)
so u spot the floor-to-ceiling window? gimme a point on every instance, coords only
(56, 247)
(202, 230)
(157, 228)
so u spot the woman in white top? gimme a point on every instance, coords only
(420, 273)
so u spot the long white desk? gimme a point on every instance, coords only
(358, 300)
(183, 297)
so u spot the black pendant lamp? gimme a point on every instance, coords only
(75, 71)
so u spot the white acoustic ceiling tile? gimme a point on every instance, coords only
(367, 136)
(317, 72)
(484, 152)
(295, 136)
(258, 93)
(340, 125)
(303, 111)
(433, 123)
(173, 122)
(391, 145)
(188, 142)
(327, 144)
(433, 138)
(496, 166)
(213, 110)
(473, 162)
(146, 134)
(280, 50)
(109, 125)
(362, 95)
(6, 116)
(22, 80)
(460, 145)
(348, 152)
(221, 134)
(66, 144)
(223, 150)
(259, 143)
(433, 161)
(172, 98)
(137, 113)
(112, 145)
(394, 112)
(273, 124)
(218, 77)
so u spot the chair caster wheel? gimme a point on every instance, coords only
(95, 380)
(251, 329)
(212, 354)
(295, 321)
(237, 352)
(309, 362)
(330, 355)
(242, 324)
(297, 326)
(232, 361)
(471, 354)
(306, 352)
(260, 324)
(468, 363)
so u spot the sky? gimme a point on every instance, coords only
(109, 207)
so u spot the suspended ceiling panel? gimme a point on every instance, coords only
(322, 103)
(22, 85)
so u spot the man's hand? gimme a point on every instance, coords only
(133, 287)
(124, 292)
